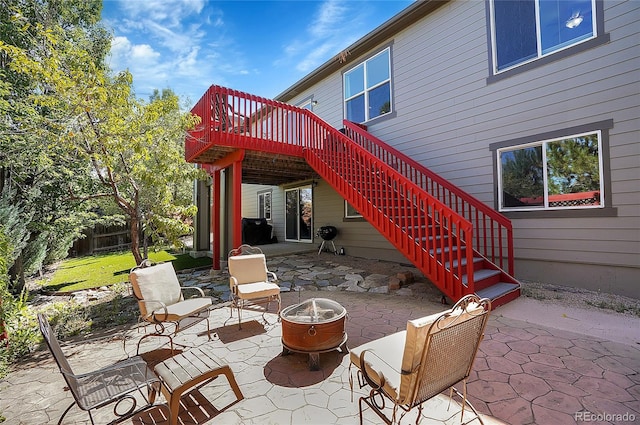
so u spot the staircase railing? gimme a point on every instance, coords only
(493, 231)
(431, 234)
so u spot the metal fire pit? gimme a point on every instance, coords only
(314, 326)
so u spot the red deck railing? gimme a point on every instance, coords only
(493, 231)
(389, 190)
(236, 119)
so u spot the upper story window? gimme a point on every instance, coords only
(562, 173)
(525, 30)
(264, 205)
(367, 88)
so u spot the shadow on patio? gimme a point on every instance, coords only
(524, 373)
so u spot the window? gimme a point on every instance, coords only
(350, 212)
(525, 30)
(264, 205)
(367, 88)
(562, 173)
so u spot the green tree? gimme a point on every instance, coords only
(522, 173)
(5, 296)
(137, 153)
(34, 170)
(75, 134)
(573, 165)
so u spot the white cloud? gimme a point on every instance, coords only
(175, 41)
(144, 52)
(334, 26)
(171, 13)
(330, 20)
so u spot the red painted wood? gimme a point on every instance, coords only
(215, 219)
(237, 204)
(425, 217)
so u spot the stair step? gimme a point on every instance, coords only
(446, 249)
(498, 290)
(481, 274)
(463, 262)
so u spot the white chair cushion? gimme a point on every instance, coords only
(248, 268)
(156, 283)
(257, 290)
(384, 355)
(181, 309)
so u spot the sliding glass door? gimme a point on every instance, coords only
(299, 214)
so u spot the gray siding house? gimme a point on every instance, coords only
(533, 110)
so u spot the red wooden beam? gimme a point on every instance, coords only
(215, 220)
(237, 204)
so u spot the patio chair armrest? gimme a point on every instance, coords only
(233, 282)
(121, 365)
(273, 276)
(150, 317)
(365, 372)
(198, 289)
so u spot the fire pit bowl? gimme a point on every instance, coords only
(314, 326)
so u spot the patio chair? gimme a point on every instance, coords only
(431, 355)
(112, 384)
(162, 302)
(250, 281)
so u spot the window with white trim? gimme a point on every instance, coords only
(264, 205)
(367, 88)
(350, 211)
(562, 173)
(525, 30)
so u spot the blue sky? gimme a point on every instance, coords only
(260, 47)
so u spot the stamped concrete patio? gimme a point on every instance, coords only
(538, 364)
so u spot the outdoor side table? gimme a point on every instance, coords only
(185, 371)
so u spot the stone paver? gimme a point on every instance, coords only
(524, 373)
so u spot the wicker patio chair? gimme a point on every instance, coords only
(112, 384)
(433, 354)
(250, 281)
(162, 302)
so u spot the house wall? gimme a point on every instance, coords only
(250, 205)
(447, 115)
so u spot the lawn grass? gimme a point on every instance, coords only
(107, 269)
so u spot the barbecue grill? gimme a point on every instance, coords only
(327, 233)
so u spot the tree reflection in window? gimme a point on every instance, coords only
(562, 173)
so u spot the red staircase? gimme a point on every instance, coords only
(458, 242)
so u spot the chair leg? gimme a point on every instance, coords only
(465, 401)
(67, 411)
(370, 401)
(174, 396)
(154, 334)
